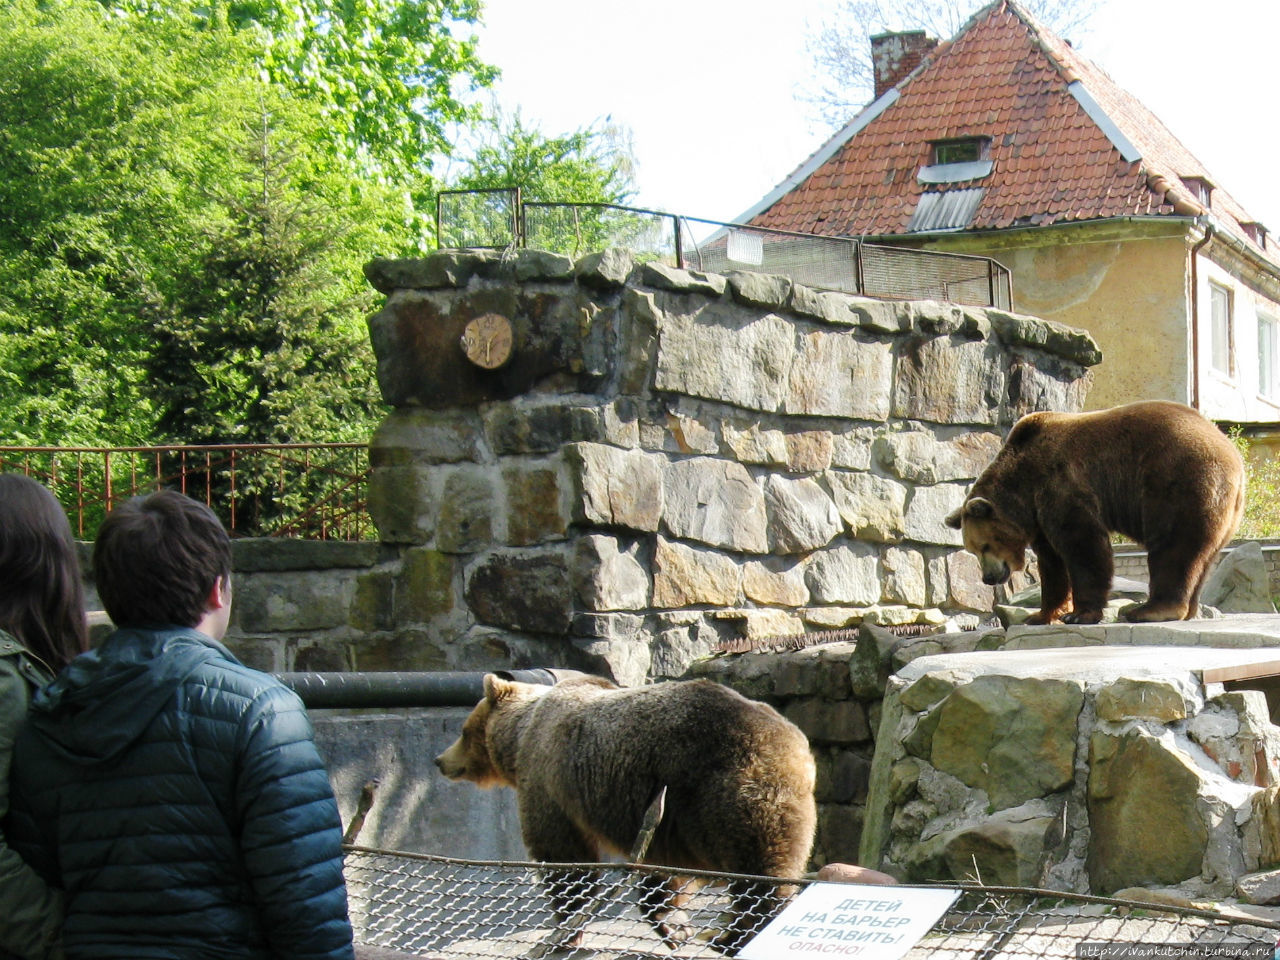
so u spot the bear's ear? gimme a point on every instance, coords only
(497, 688)
(954, 519)
(978, 508)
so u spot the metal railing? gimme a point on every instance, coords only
(503, 218)
(448, 908)
(313, 491)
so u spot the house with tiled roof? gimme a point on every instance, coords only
(1005, 142)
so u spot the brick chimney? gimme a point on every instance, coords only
(894, 55)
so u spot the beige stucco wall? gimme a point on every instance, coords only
(1120, 282)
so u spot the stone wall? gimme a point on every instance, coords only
(672, 460)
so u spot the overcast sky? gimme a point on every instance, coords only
(707, 87)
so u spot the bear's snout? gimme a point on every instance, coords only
(995, 572)
(449, 764)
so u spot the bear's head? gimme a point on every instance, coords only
(999, 545)
(472, 755)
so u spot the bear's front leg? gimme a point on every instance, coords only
(1082, 543)
(551, 837)
(1055, 587)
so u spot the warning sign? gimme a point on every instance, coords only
(851, 920)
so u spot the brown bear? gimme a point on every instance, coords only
(1157, 472)
(587, 759)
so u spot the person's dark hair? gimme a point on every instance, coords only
(157, 557)
(41, 593)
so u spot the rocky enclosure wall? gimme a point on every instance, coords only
(670, 460)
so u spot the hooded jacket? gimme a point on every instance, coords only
(31, 910)
(178, 798)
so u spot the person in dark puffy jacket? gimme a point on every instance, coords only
(175, 795)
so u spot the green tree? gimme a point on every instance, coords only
(590, 165)
(389, 76)
(100, 139)
(261, 335)
(840, 48)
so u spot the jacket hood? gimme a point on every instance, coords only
(104, 699)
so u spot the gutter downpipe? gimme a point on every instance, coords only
(1195, 315)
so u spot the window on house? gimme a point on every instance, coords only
(965, 150)
(1268, 356)
(1201, 188)
(1223, 346)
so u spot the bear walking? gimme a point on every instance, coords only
(587, 758)
(1157, 472)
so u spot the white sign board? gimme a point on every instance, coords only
(850, 920)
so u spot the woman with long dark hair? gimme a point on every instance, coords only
(42, 627)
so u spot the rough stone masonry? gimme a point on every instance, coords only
(671, 459)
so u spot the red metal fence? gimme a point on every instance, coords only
(313, 491)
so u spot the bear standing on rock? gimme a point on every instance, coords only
(588, 758)
(1157, 472)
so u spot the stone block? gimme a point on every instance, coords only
(293, 602)
(610, 574)
(964, 574)
(720, 352)
(1240, 582)
(839, 375)
(1011, 853)
(1011, 737)
(401, 504)
(749, 442)
(775, 580)
(425, 587)
(535, 504)
(839, 722)
(927, 508)
(904, 577)
(679, 640)
(373, 606)
(809, 451)
(407, 648)
(869, 667)
(839, 832)
(1068, 343)
(1262, 887)
(613, 487)
(873, 508)
(924, 457)
(606, 269)
(949, 380)
(801, 517)
(464, 523)
(685, 576)
(311, 656)
(654, 274)
(759, 289)
(843, 574)
(273, 554)
(1145, 826)
(522, 591)
(409, 435)
(715, 502)
(1129, 699)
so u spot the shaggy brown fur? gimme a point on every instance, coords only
(1157, 472)
(587, 758)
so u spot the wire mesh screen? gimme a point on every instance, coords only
(445, 908)
(575, 229)
(899, 273)
(826, 262)
(477, 218)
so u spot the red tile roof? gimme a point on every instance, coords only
(1007, 77)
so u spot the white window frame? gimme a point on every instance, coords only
(1268, 356)
(1222, 352)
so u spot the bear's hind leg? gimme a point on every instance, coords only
(662, 897)
(1176, 574)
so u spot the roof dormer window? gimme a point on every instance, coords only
(1255, 232)
(957, 160)
(1200, 187)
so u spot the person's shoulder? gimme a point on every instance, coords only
(233, 679)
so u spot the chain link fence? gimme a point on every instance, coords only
(417, 905)
(503, 218)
